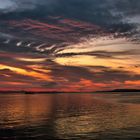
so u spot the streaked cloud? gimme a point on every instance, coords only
(74, 45)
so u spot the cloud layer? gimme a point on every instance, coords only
(75, 44)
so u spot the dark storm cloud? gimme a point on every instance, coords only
(128, 7)
(97, 11)
(94, 10)
(22, 5)
(46, 36)
(108, 14)
(13, 48)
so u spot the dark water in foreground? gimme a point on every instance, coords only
(70, 116)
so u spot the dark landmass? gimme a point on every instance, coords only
(122, 90)
(59, 92)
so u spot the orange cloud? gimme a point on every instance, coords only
(136, 83)
(34, 74)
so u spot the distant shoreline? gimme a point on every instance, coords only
(60, 92)
(122, 90)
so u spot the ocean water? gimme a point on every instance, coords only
(70, 116)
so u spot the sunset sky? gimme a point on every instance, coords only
(69, 45)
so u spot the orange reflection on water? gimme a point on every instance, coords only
(23, 109)
(97, 115)
(70, 114)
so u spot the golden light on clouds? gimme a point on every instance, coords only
(21, 71)
(31, 59)
(107, 43)
(115, 53)
(87, 45)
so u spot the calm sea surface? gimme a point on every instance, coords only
(70, 116)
